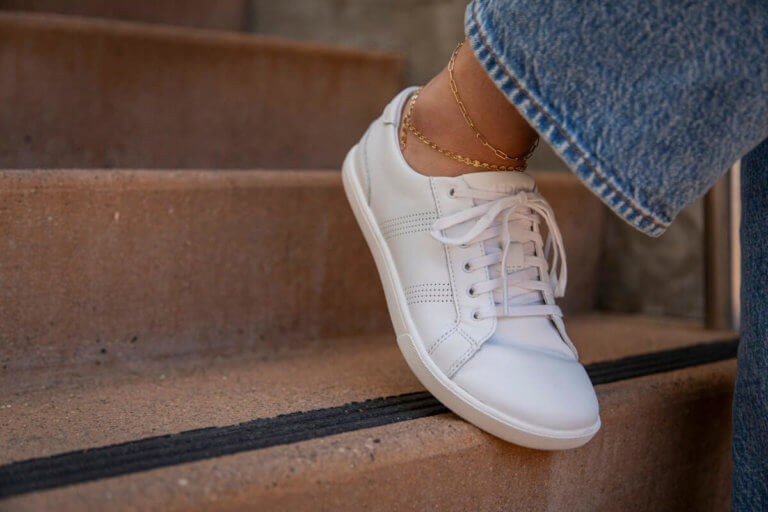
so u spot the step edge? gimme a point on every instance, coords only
(192, 35)
(17, 179)
(348, 408)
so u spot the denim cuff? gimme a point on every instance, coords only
(549, 123)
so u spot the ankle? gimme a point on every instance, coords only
(438, 117)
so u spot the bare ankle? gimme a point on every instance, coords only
(439, 119)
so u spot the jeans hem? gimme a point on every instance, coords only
(597, 176)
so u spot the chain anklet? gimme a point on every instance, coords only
(465, 114)
(520, 163)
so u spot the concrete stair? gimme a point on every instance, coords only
(151, 286)
(663, 446)
(219, 15)
(101, 265)
(84, 93)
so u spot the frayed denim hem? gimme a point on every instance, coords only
(597, 176)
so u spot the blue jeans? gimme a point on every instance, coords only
(649, 102)
(750, 406)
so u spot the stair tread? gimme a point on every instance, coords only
(675, 423)
(93, 405)
(180, 97)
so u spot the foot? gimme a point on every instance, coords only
(489, 343)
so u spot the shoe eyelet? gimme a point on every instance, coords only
(471, 291)
(467, 267)
(463, 246)
(452, 192)
(476, 315)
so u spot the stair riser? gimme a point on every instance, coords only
(80, 93)
(122, 264)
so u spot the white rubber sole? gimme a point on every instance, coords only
(446, 391)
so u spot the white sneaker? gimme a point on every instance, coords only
(490, 345)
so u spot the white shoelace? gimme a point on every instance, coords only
(521, 242)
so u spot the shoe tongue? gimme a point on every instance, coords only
(505, 182)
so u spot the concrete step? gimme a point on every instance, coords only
(664, 444)
(103, 265)
(86, 93)
(219, 15)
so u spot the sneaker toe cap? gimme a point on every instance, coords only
(543, 390)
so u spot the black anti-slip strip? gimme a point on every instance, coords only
(194, 445)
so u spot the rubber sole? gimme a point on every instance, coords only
(446, 391)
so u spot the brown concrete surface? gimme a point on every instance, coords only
(44, 412)
(84, 93)
(664, 443)
(100, 266)
(654, 276)
(221, 15)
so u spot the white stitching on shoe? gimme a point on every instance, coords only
(449, 261)
(441, 339)
(428, 292)
(428, 285)
(467, 335)
(462, 358)
(419, 222)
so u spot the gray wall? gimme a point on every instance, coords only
(425, 31)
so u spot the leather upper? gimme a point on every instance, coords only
(488, 357)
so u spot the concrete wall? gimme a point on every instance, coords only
(657, 276)
(426, 31)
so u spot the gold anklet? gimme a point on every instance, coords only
(480, 137)
(520, 164)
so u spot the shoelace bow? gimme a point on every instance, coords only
(519, 214)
